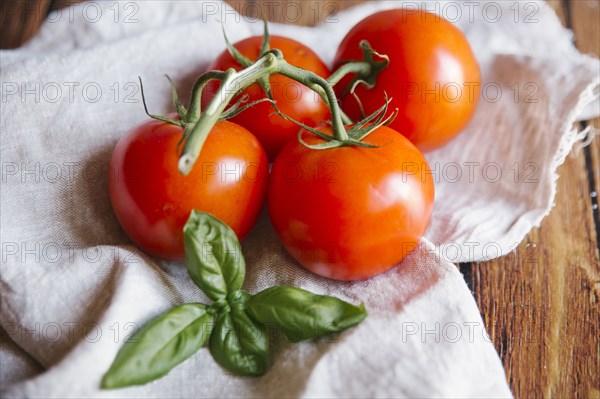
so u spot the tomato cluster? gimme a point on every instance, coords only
(347, 203)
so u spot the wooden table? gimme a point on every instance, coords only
(540, 303)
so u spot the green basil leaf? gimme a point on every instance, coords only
(238, 343)
(301, 315)
(213, 255)
(159, 346)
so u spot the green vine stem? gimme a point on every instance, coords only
(271, 63)
(366, 71)
(193, 113)
(231, 84)
(197, 123)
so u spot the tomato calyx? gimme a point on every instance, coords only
(178, 106)
(270, 63)
(245, 62)
(187, 118)
(365, 71)
(263, 81)
(356, 132)
(192, 115)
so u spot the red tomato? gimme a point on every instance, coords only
(292, 98)
(433, 76)
(351, 213)
(152, 200)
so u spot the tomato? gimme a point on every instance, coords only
(152, 200)
(292, 98)
(433, 76)
(350, 213)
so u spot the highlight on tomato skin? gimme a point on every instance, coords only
(152, 199)
(292, 98)
(351, 213)
(433, 76)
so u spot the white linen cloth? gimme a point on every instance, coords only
(73, 287)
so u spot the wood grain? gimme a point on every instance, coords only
(541, 303)
(299, 12)
(20, 20)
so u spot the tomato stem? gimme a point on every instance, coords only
(366, 71)
(235, 81)
(193, 114)
(312, 80)
(231, 84)
(360, 68)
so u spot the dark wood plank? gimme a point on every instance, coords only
(20, 20)
(298, 12)
(586, 26)
(584, 20)
(540, 304)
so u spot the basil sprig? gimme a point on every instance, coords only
(235, 324)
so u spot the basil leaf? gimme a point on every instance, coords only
(159, 346)
(238, 343)
(301, 315)
(213, 255)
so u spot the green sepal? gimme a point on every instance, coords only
(181, 111)
(238, 108)
(373, 122)
(304, 127)
(265, 46)
(234, 52)
(153, 116)
(245, 62)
